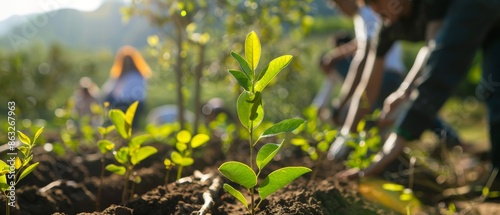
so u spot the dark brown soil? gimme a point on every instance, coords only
(69, 185)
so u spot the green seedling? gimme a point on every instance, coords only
(314, 138)
(18, 167)
(364, 145)
(104, 147)
(251, 113)
(185, 145)
(130, 155)
(168, 165)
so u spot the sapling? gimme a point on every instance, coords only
(251, 113)
(185, 145)
(18, 167)
(130, 155)
(104, 147)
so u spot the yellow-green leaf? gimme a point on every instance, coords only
(142, 153)
(37, 134)
(27, 171)
(184, 136)
(275, 66)
(129, 115)
(239, 172)
(252, 50)
(120, 170)
(24, 139)
(122, 127)
(280, 178)
(199, 140)
(105, 146)
(237, 194)
(18, 163)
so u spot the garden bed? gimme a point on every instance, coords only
(69, 185)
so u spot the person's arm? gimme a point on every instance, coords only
(348, 7)
(366, 93)
(353, 76)
(332, 57)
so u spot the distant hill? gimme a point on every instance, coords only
(99, 29)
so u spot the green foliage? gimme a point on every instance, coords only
(185, 145)
(365, 143)
(18, 167)
(130, 155)
(251, 114)
(314, 137)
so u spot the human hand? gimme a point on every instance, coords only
(394, 105)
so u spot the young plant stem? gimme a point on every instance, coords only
(179, 172)
(132, 190)
(99, 190)
(125, 185)
(166, 177)
(252, 191)
(7, 206)
(316, 167)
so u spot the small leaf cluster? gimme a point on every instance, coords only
(251, 114)
(21, 164)
(365, 143)
(130, 155)
(314, 138)
(185, 144)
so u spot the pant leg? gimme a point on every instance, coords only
(445, 132)
(464, 30)
(489, 90)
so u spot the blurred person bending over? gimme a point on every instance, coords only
(385, 79)
(467, 27)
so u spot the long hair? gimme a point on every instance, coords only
(137, 61)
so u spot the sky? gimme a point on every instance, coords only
(23, 7)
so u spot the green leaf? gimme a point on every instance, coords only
(37, 134)
(199, 140)
(27, 171)
(275, 66)
(280, 178)
(137, 141)
(287, 125)
(177, 158)
(323, 146)
(250, 110)
(129, 115)
(183, 136)
(242, 79)
(105, 146)
(299, 141)
(120, 170)
(121, 126)
(142, 153)
(239, 172)
(24, 150)
(252, 50)
(266, 154)
(237, 194)
(24, 139)
(330, 135)
(181, 147)
(122, 155)
(244, 65)
(393, 187)
(4, 167)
